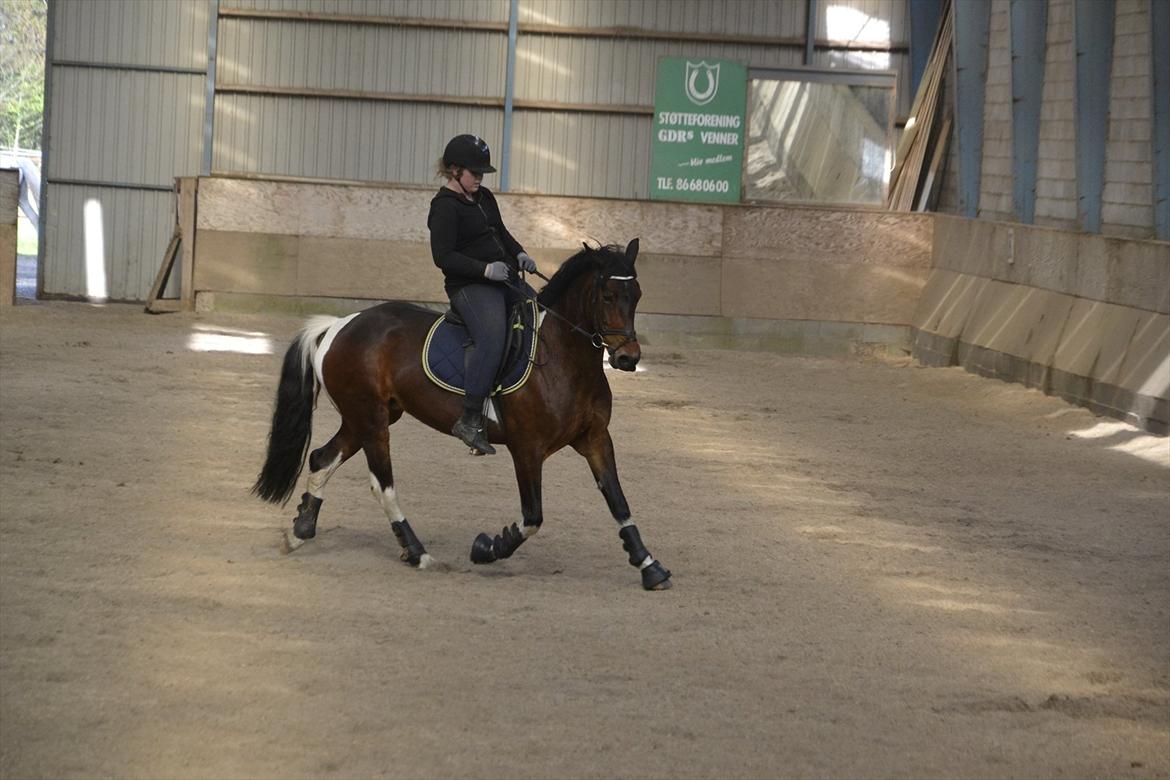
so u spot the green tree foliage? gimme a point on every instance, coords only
(22, 72)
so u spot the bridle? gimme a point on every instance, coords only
(597, 335)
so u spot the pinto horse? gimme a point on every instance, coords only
(370, 365)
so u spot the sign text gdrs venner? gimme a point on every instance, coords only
(697, 150)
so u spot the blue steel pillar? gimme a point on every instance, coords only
(209, 93)
(924, 16)
(810, 30)
(1029, 36)
(1160, 58)
(509, 94)
(1094, 40)
(972, 26)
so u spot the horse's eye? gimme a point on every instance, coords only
(608, 297)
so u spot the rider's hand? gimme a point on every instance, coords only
(527, 264)
(496, 272)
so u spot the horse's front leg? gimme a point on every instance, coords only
(486, 549)
(597, 448)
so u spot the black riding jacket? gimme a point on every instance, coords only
(462, 243)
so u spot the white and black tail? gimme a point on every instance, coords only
(292, 419)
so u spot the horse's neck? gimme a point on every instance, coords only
(574, 305)
(574, 308)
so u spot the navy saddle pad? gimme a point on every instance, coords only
(443, 353)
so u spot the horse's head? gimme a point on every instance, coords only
(615, 298)
(601, 289)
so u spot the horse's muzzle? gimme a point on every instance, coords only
(626, 357)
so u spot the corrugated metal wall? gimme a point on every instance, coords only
(370, 90)
(608, 154)
(407, 87)
(584, 89)
(452, 10)
(746, 17)
(124, 120)
(374, 138)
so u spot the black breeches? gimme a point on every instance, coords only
(484, 309)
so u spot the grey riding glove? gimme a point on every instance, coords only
(496, 272)
(527, 264)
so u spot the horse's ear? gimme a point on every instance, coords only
(586, 245)
(632, 251)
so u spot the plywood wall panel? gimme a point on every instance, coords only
(830, 236)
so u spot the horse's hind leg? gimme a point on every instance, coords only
(377, 447)
(597, 448)
(322, 463)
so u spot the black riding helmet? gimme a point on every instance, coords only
(470, 152)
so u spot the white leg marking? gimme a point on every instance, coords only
(649, 560)
(388, 499)
(528, 530)
(425, 560)
(317, 479)
(626, 523)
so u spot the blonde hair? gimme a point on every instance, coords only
(448, 172)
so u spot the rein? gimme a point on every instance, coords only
(597, 337)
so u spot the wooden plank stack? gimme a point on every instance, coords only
(913, 187)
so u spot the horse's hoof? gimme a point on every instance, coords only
(289, 545)
(656, 577)
(482, 550)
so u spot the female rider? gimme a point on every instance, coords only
(479, 259)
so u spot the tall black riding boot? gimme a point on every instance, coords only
(470, 430)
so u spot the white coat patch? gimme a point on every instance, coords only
(319, 357)
(317, 479)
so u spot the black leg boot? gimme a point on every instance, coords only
(470, 429)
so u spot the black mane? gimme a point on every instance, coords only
(611, 260)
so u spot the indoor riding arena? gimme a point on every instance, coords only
(897, 433)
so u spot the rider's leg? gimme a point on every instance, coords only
(482, 308)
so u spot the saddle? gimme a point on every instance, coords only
(442, 354)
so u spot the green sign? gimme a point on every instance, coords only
(697, 151)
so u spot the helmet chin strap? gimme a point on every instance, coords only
(459, 182)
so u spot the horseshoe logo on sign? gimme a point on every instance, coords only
(708, 93)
